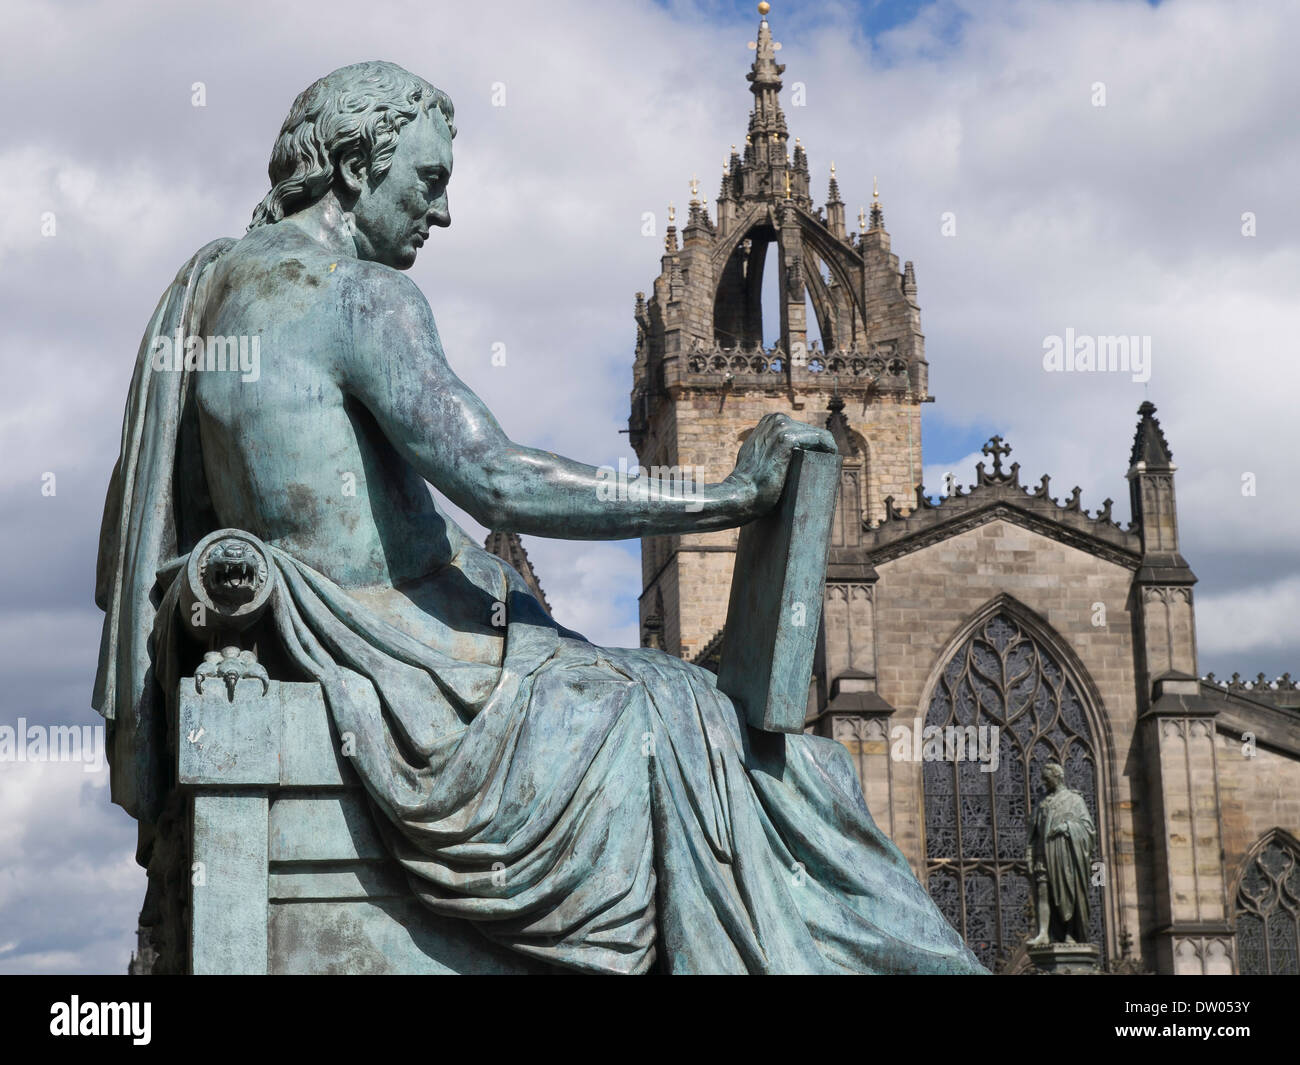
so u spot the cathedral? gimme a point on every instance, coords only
(1053, 631)
(966, 642)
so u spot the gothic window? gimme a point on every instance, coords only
(1268, 909)
(977, 823)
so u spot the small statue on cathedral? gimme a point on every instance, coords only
(1060, 849)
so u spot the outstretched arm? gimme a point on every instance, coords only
(396, 368)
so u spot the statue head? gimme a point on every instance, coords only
(379, 138)
(1053, 776)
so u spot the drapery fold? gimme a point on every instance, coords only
(140, 532)
(608, 810)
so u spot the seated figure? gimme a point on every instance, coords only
(603, 810)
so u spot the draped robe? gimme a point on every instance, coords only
(1065, 856)
(603, 810)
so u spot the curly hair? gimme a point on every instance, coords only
(361, 107)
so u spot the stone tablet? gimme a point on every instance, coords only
(776, 598)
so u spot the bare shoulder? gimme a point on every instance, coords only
(378, 293)
(357, 315)
(285, 263)
(388, 319)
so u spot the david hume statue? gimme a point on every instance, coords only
(598, 809)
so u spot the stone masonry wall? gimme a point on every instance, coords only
(921, 601)
(704, 431)
(1255, 795)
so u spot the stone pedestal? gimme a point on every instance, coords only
(1067, 958)
(290, 874)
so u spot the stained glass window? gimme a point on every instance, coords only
(976, 822)
(1268, 911)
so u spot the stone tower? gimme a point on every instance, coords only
(705, 373)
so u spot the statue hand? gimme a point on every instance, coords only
(765, 456)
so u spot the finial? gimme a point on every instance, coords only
(748, 140)
(997, 449)
(832, 168)
(862, 219)
(764, 61)
(877, 212)
(787, 184)
(672, 214)
(695, 189)
(797, 143)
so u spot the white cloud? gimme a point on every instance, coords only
(70, 889)
(1250, 619)
(1123, 219)
(935, 477)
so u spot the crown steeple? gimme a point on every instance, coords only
(772, 307)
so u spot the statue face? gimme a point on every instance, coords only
(393, 218)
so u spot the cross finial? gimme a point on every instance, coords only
(672, 214)
(862, 218)
(997, 449)
(832, 168)
(875, 189)
(695, 189)
(787, 184)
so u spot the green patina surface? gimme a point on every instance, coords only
(602, 810)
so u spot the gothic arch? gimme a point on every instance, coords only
(1005, 666)
(1266, 906)
(840, 260)
(757, 215)
(1004, 602)
(823, 304)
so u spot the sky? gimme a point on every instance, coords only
(1104, 167)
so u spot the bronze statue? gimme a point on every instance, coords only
(595, 809)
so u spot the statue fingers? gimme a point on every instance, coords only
(809, 438)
